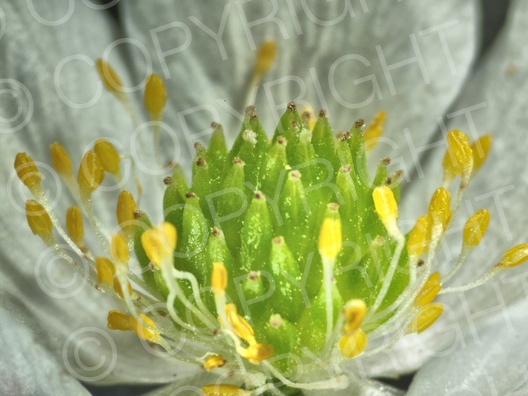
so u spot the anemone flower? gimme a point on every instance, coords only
(168, 70)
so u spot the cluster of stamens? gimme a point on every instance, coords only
(190, 298)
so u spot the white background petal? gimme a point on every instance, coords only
(323, 53)
(493, 362)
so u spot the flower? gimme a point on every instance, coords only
(395, 93)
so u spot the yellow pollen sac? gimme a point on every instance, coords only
(419, 237)
(480, 149)
(223, 390)
(265, 57)
(119, 290)
(440, 207)
(353, 344)
(459, 153)
(105, 271)
(125, 212)
(355, 311)
(514, 256)
(330, 236)
(39, 220)
(425, 318)
(155, 95)
(386, 207)
(159, 242)
(27, 171)
(119, 248)
(374, 130)
(240, 326)
(74, 225)
(213, 361)
(108, 156)
(90, 174)
(256, 353)
(219, 278)
(476, 227)
(117, 320)
(111, 80)
(61, 160)
(145, 328)
(429, 291)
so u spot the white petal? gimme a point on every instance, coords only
(27, 367)
(495, 99)
(323, 52)
(64, 315)
(492, 361)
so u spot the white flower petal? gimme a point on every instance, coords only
(30, 52)
(27, 367)
(323, 53)
(493, 361)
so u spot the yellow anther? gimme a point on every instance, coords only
(119, 248)
(119, 289)
(256, 353)
(159, 242)
(386, 208)
(374, 130)
(105, 271)
(125, 212)
(61, 160)
(145, 328)
(74, 225)
(440, 208)
(108, 156)
(355, 311)
(514, 256)
(219, 278)
(240, 326)
(425, 318)
(353, 344)
(429, 291)
(476, 227)
(117, 320)
(265, 57)
(480, 149)
(39, 220)
(155, 95)
(111, 80)
(213, 361)
(223, 390)
(330, 235)
(419, 237)
(459, 157)
(27, 171)
(91, 173)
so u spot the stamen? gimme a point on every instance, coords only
(374, 130)
(355, 311)
(125, 213)
(159, 242)
(476, 227)
(145, 328)
(61, 160)
(439, 211)
(119, 249)
(213, 361)
(425, 318)
(117, 320)
(353, 344)
(265, 58)
(239, 325)
(75, 226)
(429, 291)
(108, 157)
(155, 96)
(224, 390)
(39, 221)
(256, 353)
(28, 172)
(330, 244)
(219, 278)
(105, 271)
(514, 256)
(480, 149)
(387, 209)
(417, 244)
(91, 173)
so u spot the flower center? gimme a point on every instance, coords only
(278, 251)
